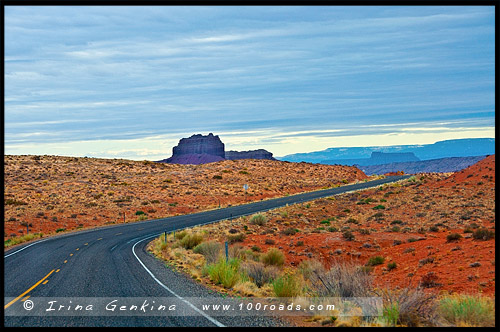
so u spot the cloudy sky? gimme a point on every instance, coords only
(129, 82)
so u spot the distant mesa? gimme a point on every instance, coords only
(441, 165)
(377, 158)
(199, 149)
(253, 154)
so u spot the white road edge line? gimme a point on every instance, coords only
(216, 322)
(29, 245)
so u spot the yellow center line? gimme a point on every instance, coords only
(77, 248)
(25, 298)
(46, 281)
(99, 239)
(58, 270)
(65, 261)
(29, 290)
(86, 244)
(71, 254)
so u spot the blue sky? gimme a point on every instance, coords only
(129, 82)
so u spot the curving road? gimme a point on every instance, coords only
(112, 263)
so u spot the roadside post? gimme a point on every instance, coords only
(227, 251)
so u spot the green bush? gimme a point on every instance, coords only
(273, 257)
(376, 260)
(224, 273)
(379, 207)
(468, 310)
(391, 265)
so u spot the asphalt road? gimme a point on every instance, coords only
(112, 263)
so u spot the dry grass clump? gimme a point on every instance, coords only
(273, 257)
(467, 310)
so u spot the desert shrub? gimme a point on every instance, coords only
(453, 237)
(258, 219)
(239, 237)
(483, 234)
(11, 201)
(287, 286)
(290, 231)
(307, 267)
(332, 229)
(191, 240)
(180, 235)
(409, 307)
(434, 229)
(217, 177)
(429, 280)
(379, 207)
(211, 250)
(376, 260)
(467, 310)
(342, 280)
(347, 234)
(273, 257)
(138, 213)
(259, 273)
(269, 241)
(60, 230)
(256, 248)
(391, 265)
(224, 273)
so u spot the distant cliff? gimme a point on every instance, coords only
(466, 147)
(441, 165)
(199, 149)
(376, 158)
(253, 154)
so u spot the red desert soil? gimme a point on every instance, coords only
(411, 230)
(52, 193)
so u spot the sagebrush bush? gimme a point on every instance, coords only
(258, 219)
(483, 234)
(468, 310)
(259, 273)
(409, 307)
(211, 250)
(273, 257)
(453, 237)
(308, 267)
(342, 280)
